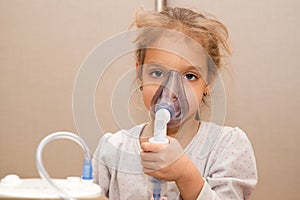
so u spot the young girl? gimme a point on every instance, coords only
(202, 160)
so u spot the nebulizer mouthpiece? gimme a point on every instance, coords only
(169, 105)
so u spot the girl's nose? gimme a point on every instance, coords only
(169, 95)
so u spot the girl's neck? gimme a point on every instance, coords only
(183, 134)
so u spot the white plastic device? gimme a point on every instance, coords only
(162, 117)
(12, 186)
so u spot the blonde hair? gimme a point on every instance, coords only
(209, 32)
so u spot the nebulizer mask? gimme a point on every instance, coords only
(171, 97)
(169, 107)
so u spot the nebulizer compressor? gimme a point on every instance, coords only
(169, 106)
(13, 187)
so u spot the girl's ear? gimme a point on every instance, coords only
(206, 91)
(209, 84)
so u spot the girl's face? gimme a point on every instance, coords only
(158, 62)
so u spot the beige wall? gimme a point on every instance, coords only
(43, 43)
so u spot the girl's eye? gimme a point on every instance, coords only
(190, 77)
(156, 74)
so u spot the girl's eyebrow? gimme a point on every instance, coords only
(191, 67)
(154, 63)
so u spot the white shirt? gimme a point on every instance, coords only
(223, 156)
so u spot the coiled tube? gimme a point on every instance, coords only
(87, 167)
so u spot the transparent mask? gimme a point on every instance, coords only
(171, 96)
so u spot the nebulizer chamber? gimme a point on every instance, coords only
(169, 106)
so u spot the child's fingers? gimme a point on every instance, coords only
(147, 156)
(152, 147)
(149, 166)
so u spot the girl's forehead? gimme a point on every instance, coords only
(164, 57)
(182, 47)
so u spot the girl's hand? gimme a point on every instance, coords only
(168, 162)
(164, 161)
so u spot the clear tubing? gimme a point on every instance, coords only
(40, 166)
